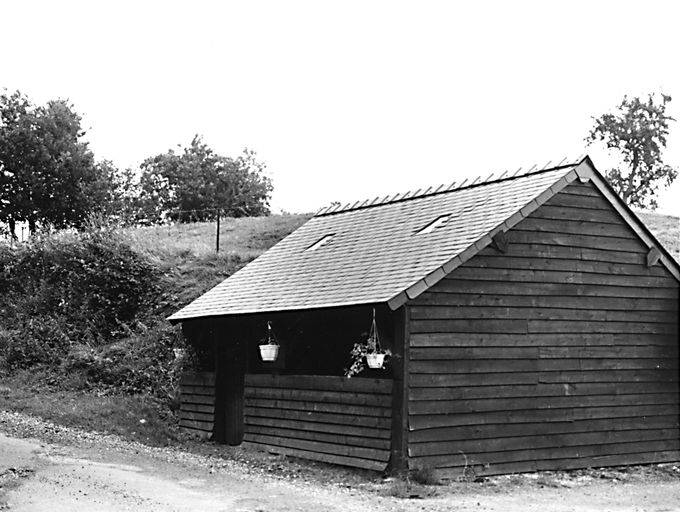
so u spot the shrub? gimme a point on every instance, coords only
(34, 342)
(68, 303)
(146, 361)
(92, 279)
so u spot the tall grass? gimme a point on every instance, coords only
(245, 238)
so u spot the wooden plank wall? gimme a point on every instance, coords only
(331, 419)
(560, 353)
(197, 403)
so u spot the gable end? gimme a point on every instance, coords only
(583, 174)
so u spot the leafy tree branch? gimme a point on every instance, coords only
(636, 132)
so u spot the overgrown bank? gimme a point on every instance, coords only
(86, 311)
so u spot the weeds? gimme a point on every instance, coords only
(425, 476)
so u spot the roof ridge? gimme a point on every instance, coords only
(443, 188)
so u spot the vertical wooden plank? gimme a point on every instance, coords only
(399, 445)
(235, 383)
(230, 364)
(219, 426)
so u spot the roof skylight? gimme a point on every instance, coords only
(438, 222)
(321, 242)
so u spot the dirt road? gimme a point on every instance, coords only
(70, 470)
(50, 477)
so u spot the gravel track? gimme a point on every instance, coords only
(45, 466)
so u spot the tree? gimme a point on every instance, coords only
(47, 173)
(114, 194)
(636, 132)
(195, 183)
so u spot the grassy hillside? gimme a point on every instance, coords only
(185, 253)
(245, 238)
(666, 228)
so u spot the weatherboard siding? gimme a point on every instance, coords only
(330, 419)
(197, 403)
(560, 353)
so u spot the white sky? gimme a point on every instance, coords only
(347, 100)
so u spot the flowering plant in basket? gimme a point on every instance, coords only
(368, 353)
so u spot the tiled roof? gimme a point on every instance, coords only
(376, 254)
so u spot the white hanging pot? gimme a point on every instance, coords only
(375, 360)
(269, 352)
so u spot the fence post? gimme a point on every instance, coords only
(217, 235)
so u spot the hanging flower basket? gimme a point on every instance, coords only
(375, 360)
(368, 353)
(375, 355)
(269, 351)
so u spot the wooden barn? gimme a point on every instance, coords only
(532, 320)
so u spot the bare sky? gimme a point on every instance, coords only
(347, 100)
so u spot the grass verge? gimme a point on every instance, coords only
(141, 418)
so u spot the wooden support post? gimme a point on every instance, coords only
(234, 395)
(230, 363)
(217, 234)
(219, 425)
(399, 446)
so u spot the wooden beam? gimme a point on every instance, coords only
(500, 242)
(397, 301)
(653, 256)
(219, 424)
(416, 289)
(230, 364)
(399, 443)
